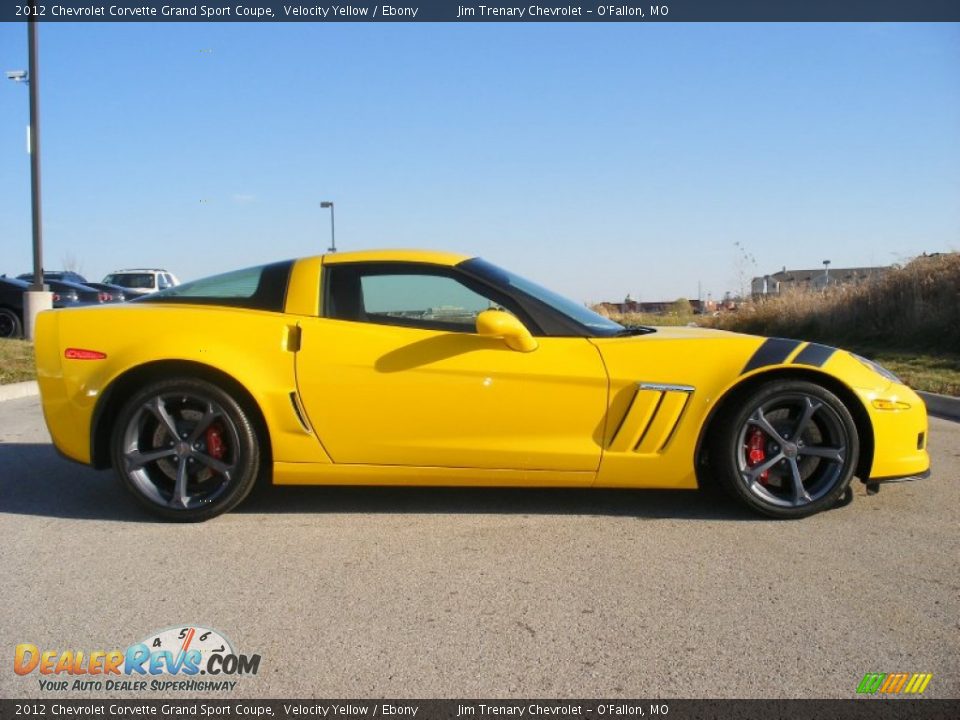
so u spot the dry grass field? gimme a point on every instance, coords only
(908, 320)
(915, 308)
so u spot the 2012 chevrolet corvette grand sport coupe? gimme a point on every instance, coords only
(427, 368)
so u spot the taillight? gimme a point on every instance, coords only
(81, 354)
(56, 297)
(105, 297)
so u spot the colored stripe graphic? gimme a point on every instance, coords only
(893, 683)
(918, 683)
(773, 352)
(871, 683)
(814, 355)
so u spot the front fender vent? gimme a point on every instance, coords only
(651, 418)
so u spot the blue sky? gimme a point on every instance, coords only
(598, 159)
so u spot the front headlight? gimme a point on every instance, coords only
(879, 369)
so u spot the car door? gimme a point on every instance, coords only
(396, 374)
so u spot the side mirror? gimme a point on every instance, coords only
(499, 323)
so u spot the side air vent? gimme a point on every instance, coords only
(298, 411)
(651, 419)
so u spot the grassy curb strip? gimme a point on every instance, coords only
(16, 362)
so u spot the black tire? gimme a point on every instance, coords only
(756, 455)
(10, 324)
(206, 469)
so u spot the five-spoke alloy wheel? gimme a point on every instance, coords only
(788, 449)
(186, 449)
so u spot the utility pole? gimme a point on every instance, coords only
(37, 298)
(34, 79)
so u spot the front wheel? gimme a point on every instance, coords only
(186, 449)
(788, 449)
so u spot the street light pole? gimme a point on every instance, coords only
(34, 79)
(333, 237)
(37, 298)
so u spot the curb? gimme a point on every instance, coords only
(19, 390)
(942, 406)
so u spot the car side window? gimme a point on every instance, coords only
(409, 296)
(162, 283)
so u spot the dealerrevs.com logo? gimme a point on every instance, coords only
(184, 653)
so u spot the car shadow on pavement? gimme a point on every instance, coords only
(641, 504)
(35, 480)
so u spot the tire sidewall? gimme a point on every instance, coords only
(248, 452)
(15, 321)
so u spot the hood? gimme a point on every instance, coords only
(681, 333)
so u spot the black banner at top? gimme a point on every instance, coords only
(484, 11)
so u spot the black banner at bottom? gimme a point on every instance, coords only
(858, 709)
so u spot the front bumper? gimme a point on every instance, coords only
(873, 484)
(899, 478)
(900, 433)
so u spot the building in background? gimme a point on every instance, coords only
(664, 307)
(787, 281)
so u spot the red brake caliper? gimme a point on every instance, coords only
(756, 453)
(215, 445)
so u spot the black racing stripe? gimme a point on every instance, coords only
(815, 355)
(773, 352)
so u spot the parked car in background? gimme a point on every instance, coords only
(11, 307)
(75, 287)
(11, 302)
(116, 293)
(66, 275)
(69, 293)
(142, 281)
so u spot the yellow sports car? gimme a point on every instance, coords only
(428, 368)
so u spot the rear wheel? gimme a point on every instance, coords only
(186, 449)
(787, 450)
(10, 325)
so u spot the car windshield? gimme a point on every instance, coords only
(596, 324)
(140, 281)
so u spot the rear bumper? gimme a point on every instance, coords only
(59, 397)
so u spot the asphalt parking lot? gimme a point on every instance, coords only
(489, 593)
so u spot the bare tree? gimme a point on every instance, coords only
(71, 263)
(744, 265)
